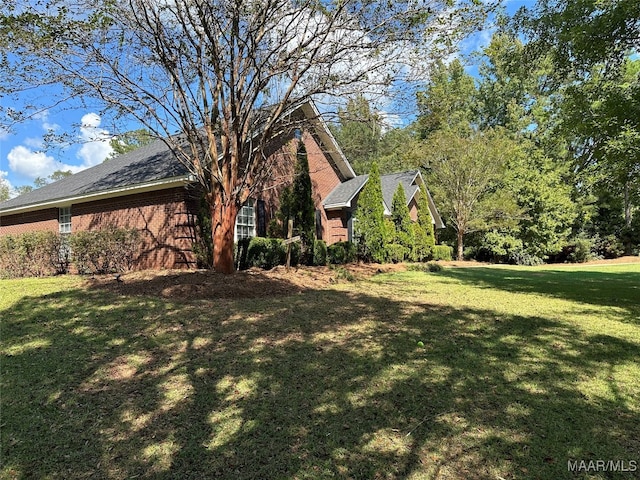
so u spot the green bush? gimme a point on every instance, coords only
(341, 253)
(319, 252)
(581, 249)
(498, 248)
(33, 254)
(431, 267)
(395, 252)
(442, 252)
(102, 251)
(609, 247)
(266, 253)
(520, 257)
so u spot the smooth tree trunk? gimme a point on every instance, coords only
(223, 221)
(628, 218)
(460, 245)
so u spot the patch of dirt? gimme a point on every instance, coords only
(256, 283)
(252, 283)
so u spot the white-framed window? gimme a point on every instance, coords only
(64, 220)
(246, 221)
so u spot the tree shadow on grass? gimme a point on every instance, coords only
(316, 385)
(594, 287)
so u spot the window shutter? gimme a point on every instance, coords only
(262, 219)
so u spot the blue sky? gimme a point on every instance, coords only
(23, 156)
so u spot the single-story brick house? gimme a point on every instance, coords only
(150, 190)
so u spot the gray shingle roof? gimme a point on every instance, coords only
(153, 162)
(345, 192)
(390, 185)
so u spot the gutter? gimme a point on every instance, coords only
(101, 195)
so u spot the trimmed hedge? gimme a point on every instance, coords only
(265, 253)
(104, 251)
(341, 253)
(35, 254)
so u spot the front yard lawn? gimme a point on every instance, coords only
(469, 373)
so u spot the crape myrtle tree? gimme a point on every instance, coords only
(217, 79)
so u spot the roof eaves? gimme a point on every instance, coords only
(111, 193)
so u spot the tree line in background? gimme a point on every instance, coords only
(536, 158)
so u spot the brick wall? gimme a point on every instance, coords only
(323, 180)
(165, 220)
(337, 227)
(413, 209)
(41, 220)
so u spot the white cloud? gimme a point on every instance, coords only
(96, 141)
(48, 126)
(32, 164)
(34, 142)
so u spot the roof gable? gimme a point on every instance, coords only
(152, 164)
(343, 195)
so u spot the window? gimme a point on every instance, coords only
(245, 221)
(64, 220)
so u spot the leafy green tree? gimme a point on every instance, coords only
(464, 173)
(581, 33)
(129, 141)
(601, 118)
(547, 209)
(5, 191)
(370, 225)
(359, 133)
(448, 101)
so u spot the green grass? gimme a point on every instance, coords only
(520, 370)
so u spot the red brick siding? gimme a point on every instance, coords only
(337, 227)
(164, 218)
(413, 209)
(323, 180)
(41, 220)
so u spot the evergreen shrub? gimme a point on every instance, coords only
(341, 253)
(442, 252)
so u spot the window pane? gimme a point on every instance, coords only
(245, 221)
(64, 220)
